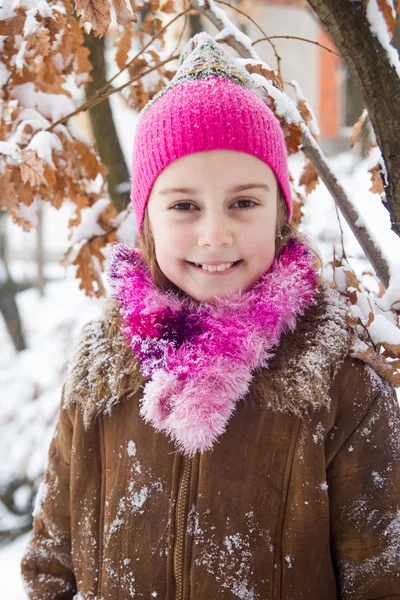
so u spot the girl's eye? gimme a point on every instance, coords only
(184, 205)
(246, 207)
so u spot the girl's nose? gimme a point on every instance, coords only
(215, 232)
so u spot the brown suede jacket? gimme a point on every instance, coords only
(298, 500)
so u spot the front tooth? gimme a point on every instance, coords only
(213, 268)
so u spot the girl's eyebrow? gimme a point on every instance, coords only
(237, 188)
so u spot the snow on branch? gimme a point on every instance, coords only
(380, 350)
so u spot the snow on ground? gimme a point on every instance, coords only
(11, 587)
(31, 381)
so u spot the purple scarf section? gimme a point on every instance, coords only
(199, 357)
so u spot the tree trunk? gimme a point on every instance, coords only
(40, 252)
(105, 134)
(377, 80)
(8, 305)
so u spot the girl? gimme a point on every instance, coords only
(215, 439)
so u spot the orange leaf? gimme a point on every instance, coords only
(357, 128)
(269, 74)
(168, 7)
(292, 135)
(392, 349)
(123, 48)
(94, 12)
(386, 9)
(122, 13)
(389, 370)
(309, 178)
(376, 179)
(32, 168)
(351, 279)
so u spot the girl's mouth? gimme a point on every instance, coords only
(215, 271)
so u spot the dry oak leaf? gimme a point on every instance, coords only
(122, 14)
(393, 350)
(386, 8)
(152, 25)
(269, 74)
(292, 135)
(309, 178)
(124, 45)
(376, 179)
(168, 7)
(14, 194)
(95, 13)
(87, 271)
(32, 168)
(357, 127)
(389, 370)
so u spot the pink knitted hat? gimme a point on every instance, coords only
(210, 104)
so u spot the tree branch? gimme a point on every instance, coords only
(244, 48)
(377, 79)
(295, 37)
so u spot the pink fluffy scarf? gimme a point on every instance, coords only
(199, 357)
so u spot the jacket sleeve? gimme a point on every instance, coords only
(364, 494)
(46, 566)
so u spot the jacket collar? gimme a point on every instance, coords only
(103, 368)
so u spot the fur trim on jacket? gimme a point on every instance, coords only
(103, 368)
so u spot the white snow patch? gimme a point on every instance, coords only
(379, 28)
(131, 448)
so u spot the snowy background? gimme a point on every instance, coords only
(30, 381)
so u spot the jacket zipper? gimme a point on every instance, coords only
(180, 531)
(102, 503)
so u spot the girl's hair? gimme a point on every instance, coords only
(284, 232)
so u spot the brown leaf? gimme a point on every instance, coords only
(298, 203)
(95, 12)
(376, 179)
(32, 168)
(269, 74)
(304, 108)
(392, 349)
(351, 279)
(82, 65)
(309, 178)
(122, 14)
(106, 217)
(88, 260)
(357, 128)
(15, 25)
(386, 10)
(124, 45)
(292, 135)
(389, 370)
(168, 7)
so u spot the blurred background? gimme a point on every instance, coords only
(42, 306)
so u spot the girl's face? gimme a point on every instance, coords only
(214, 208)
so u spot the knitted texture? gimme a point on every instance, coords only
(200, 358)
(210, 104)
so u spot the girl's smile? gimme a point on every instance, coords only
(221, 268)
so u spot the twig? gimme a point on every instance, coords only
(128, 64)
(85, 106)
(295, 37)
(309, 146)
(341, 233)
(268, 39)
(365, 238)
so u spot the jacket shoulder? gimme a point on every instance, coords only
(102, 367)
(300, 374)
